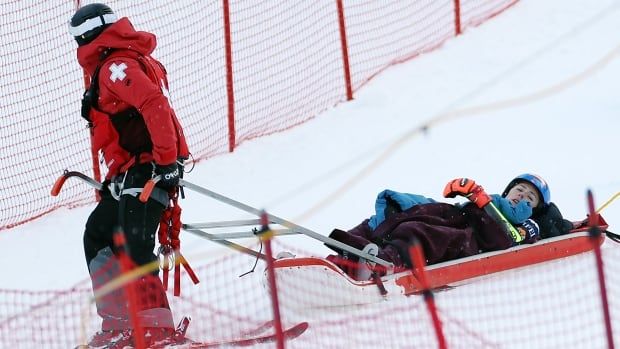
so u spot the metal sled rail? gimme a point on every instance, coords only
(241, 234)
(196, 228)
(97, 185)
(275, 219)
(222, 241)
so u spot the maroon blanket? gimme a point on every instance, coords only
(445, 231)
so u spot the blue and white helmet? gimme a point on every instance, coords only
(538, 182)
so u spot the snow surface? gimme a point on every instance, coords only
(532, 90)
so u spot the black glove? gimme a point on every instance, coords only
(170, 175)
(181, 164)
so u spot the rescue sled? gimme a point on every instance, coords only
(440, 276)
(297, 271)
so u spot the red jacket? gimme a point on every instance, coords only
(130, 79)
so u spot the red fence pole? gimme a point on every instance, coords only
(229, 78)
(130, 292)
(595, 234)
(345, 50)
(418, 269)
(457, 17)
(265, 235)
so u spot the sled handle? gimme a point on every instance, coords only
(58, 185)
(67, 174)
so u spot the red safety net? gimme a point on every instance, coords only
(237, 69)
(556, 304)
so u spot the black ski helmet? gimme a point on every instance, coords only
(538, 182)
(89, 21)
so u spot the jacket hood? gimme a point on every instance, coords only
(119, 35)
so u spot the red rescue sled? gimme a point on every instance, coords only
(440, 276)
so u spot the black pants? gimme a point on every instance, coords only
(139, 222)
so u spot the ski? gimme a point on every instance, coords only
(259, 329)
(289, 333)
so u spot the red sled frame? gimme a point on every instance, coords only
(454, 272)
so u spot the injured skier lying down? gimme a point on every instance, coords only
(522, 214)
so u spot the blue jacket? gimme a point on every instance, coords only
(404, 200)
(514, 214)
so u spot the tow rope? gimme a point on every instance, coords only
(169, 252)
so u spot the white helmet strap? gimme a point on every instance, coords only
(92, 23)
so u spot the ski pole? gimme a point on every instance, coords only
(494, 212)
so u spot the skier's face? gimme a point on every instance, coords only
(523, 191)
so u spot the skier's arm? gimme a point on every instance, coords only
(468, 188)
(475, 193)
(552, 223)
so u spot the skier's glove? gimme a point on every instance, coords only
(468, 188)
(529, 231)
(170, 175)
